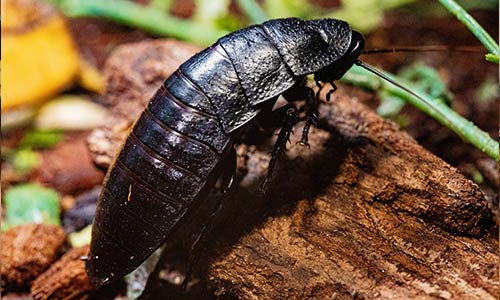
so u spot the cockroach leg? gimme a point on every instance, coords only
(227, 179)
(300, 92)
(279, 148)
(228, 170)
(319, 84)
(330, 92)
(201, 238)
(311, 108)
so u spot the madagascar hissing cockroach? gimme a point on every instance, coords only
(184, 140)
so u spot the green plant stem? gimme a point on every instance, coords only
(472, 24)
(161, 5)
(253, 11)
(436, 108)
(144, 17)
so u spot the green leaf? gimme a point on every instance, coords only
(30, 203)
(491, 57)
(424, 79)
(41, 139)
(488, 91)
(427, 80)
(25, 160)
(390, 105)
(477, 177)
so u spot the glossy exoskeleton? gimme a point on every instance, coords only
(179, 145)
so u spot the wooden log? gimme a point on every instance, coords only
(364, 213)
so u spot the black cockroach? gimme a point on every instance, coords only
(184, 140)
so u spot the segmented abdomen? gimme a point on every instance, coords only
(168, 158)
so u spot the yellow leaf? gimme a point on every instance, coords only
(39, 58)
(90, 78)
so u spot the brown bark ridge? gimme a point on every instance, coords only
(27, 250)
(65, 279)
(364, 213)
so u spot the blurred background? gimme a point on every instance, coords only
(54, 90)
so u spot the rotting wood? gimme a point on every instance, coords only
(65, 279)
(364, 213)
(27, 250)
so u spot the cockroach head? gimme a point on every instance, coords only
(308, 47)
(339, 67)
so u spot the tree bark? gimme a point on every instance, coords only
(364, 213)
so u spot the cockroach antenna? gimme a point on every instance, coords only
(387, 78)
(429, 48)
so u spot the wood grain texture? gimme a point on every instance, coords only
(365, 213)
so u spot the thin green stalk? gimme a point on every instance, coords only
(253, 11)
(161, 5)
(436, 108)
(144, 17)
(472, 24)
